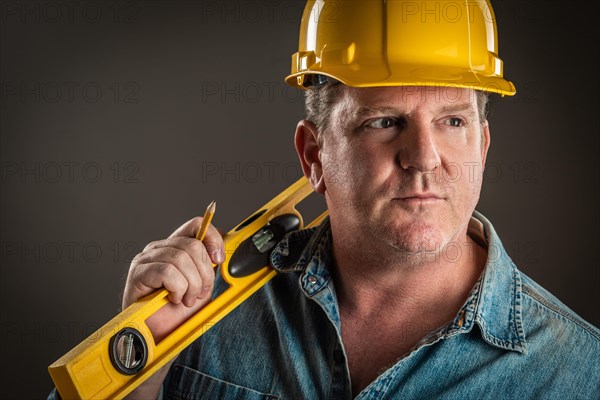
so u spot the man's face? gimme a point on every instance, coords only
(403, 166)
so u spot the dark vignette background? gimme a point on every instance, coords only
(121, 120)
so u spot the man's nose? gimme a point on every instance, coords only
(418, 149)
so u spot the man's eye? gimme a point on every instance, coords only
(455, 122)
(382, 123)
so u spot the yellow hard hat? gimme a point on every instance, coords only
(365, 43)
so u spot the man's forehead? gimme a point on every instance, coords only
(409, 97)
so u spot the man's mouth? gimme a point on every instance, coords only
(420, 198)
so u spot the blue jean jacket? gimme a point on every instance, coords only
(511, 340)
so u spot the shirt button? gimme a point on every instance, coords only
(312, 280)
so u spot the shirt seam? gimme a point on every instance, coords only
(275, 396)
(538, 298)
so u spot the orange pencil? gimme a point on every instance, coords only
(208, 215)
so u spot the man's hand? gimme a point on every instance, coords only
(181, 264)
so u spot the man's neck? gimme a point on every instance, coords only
(396, 304)
(437, 285)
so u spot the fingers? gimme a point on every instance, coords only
(181, 264)
(213, 240)
(189, 257)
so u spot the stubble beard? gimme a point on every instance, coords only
(413, 244)
(416, 235)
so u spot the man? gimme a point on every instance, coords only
(405, 291)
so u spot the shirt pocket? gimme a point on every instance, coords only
(189, 384)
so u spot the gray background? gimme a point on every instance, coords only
(120, 121)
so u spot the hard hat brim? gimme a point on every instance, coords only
(419, 76)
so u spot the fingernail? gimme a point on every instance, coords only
(189, 302)
(218, 256)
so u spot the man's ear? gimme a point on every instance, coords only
(308, 149)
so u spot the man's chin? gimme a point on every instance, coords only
(417, 238)
(417, 247)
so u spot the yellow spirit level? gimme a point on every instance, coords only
(122, 354)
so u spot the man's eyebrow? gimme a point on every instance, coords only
(365, 111)
(459, 108)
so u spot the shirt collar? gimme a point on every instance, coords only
(494, 303)
(308, 251)
(498, 311)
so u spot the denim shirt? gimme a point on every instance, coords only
(511, 339)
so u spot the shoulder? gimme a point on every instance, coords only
(514, 293)
(562, 348)
(542, 309)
